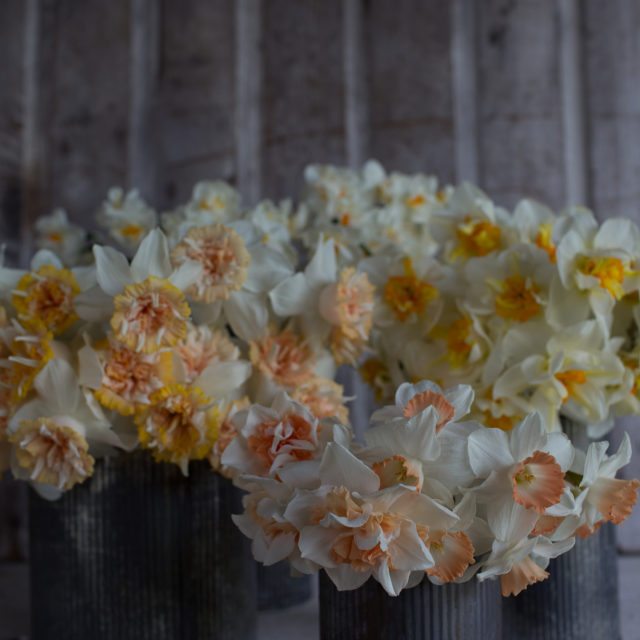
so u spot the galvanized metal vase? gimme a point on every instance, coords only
(140, 552)
(278, 589)
(579, 600)
(427, 612)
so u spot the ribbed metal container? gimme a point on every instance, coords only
(278, 589)
(469, 611)
(579, 600)
(140, 552)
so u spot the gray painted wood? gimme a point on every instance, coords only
(196, 93)
(248, 111)
(86, 67)
(303, 112)
(12, 35)
(143, 81)
(520, 110)
(411, 85)
(573, 102)
(139, 552)
(465, 98)
(427, 612)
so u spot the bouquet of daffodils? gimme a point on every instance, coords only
(156, 344)
(431, 493)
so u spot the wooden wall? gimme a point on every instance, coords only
(536, 98)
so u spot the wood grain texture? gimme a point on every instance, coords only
(612, 50)
(13, 16)
(154, 551)
(86, 70)
(410, 80)
(196, 94)
(520, 111)
(466, 611)
(303, 108)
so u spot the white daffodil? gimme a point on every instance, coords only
(126, 217)
(211, 203)
(57, 435)
(354, 530)
(526, 465)
(238, 271)
(145, 299)
(606, 498)
(46, 297)
(574, 376)
(420, 440)
(597, 267)
(56, 233)
(509, 287)
(407, 291)
(284, 441)
(334, 307)
(518, 559)
(469, 225)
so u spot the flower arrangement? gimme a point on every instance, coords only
(205, 335)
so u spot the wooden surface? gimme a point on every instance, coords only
(161, 93)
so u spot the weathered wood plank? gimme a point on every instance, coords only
(465, 95)
(87, 68)
(13, 16)
(520, 110)
(612, 66)
(142, 139)
(410, 85)
(248, 110)
(196, 96)
(303, 90)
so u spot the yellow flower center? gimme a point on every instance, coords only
(610, 272)
(416, 201)
(28, 355)
(149, 315)
(407, 294)
(376, 374)
(458, 340)
(132, 231)
(570, 379)
(179, 425)
(517, 299)
(544, 240)
(44, 299)
(477, 238)
(504, 422)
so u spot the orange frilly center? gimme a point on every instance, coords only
(522, 574)
(323, 397)
(284, 357)
(224, 259)
(150, 315)
(614, 498)
(399, 470)
(452, 553)
(428, 398)
(292, 431)
(537, 482)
